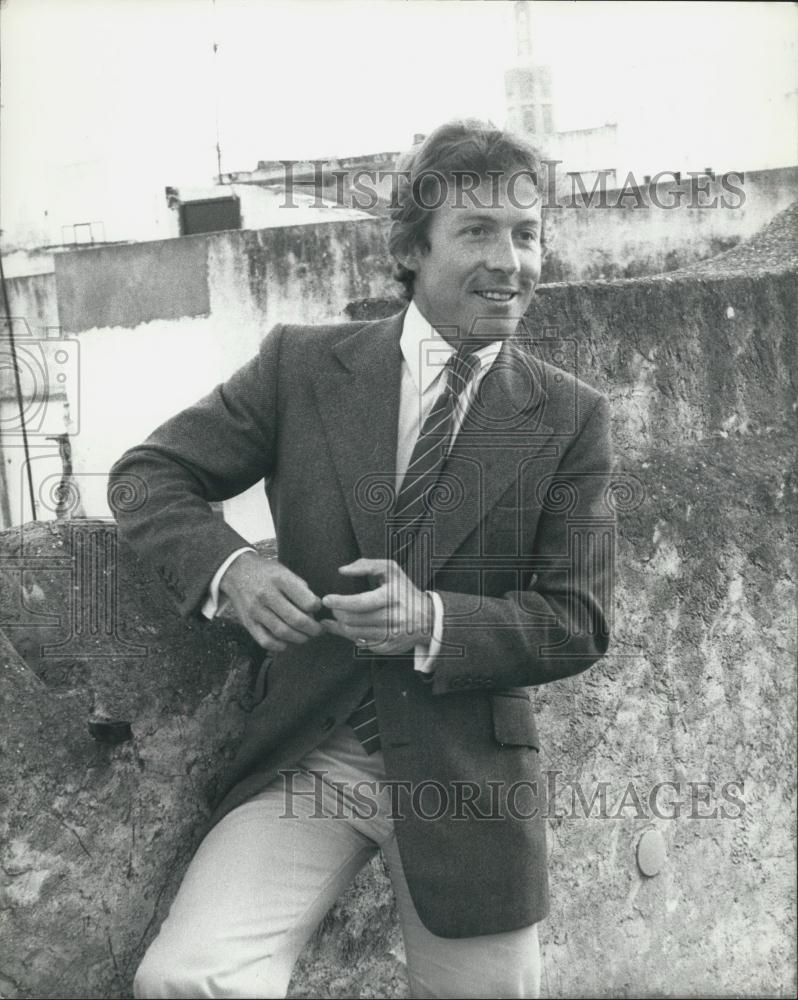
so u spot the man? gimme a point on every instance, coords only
(438, 493)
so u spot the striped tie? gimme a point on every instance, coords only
(412, 506)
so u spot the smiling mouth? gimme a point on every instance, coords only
(497, 296)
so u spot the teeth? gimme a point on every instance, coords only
(497, 296)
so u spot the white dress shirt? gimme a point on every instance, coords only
(424, 354)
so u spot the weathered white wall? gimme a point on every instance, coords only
(629, 241)
(32, 297)
(142, 370)
(156, 325)
(685, 732)
(267, 207)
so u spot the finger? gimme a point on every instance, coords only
(299, 593)
(362, 638)
(292, 616)
(264, 638)
(369, 600)
(274, 624)
(369, 619)
(334, 627)
(381, 568)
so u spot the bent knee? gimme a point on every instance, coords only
(162, 974)
(171, 972)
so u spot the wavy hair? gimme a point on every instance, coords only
(454, 149)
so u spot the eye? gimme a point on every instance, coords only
(528, 235)
(476, 230)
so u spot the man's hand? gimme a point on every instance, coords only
(392, 618)
(271, 602)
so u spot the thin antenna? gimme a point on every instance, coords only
(216, 96)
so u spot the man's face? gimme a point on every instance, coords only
(479, 274)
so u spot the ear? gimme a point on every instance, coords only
(411, 258)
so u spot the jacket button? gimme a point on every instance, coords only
(328, 723)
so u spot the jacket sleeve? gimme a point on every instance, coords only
(559, 624)
(160, 491)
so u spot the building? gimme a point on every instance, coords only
(358, 183)
(251, 206)
(531, 110)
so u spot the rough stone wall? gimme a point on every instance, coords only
(211, 299)
(709, 350)
(699, 688)
(96, 834)
(698, 691)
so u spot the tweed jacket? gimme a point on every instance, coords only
(519, 548)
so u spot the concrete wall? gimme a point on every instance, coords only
(630, 241)
(49, 378)
(138, 315)
(699, 689)
(683, 359)
(33, 297)
(151, 327)
(686, 732)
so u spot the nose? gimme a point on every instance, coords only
(503, 255)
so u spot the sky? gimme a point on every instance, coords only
(101, 99)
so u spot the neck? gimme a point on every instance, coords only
(476, 339)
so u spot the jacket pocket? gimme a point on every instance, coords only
(514, 718)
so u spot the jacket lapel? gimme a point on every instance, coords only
(357, 393)
(502, 435)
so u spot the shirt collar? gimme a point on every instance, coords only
(426, 352)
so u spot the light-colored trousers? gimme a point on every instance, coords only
(266, 874)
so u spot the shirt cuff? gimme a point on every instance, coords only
(425, 654)
(213, 605)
